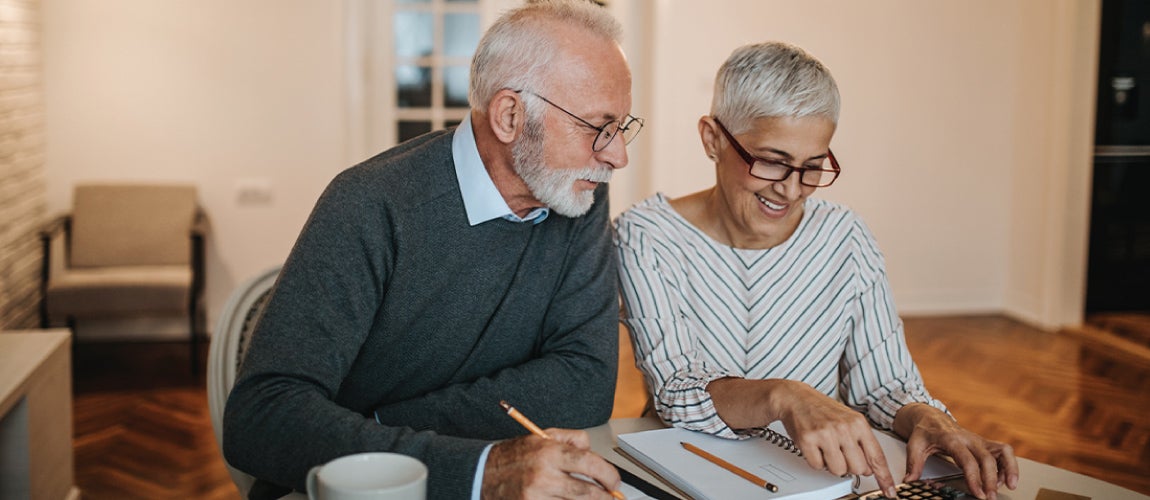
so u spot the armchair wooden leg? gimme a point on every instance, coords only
(194, 355)
(44, 321)
(70, 321)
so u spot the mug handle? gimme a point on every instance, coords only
(312, 491)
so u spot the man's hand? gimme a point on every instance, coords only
(534, 467)
(986, 464)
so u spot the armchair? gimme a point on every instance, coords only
(126, 250)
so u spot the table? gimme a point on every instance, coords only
(1032, 475)
(36, 415)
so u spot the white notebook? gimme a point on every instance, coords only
(772, 457)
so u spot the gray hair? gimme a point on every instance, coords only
(771, 80)
(517, 50)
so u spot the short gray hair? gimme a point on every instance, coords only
(517, 50)
(771, 80)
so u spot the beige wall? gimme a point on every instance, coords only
(936, 137)
(221, 93)
(1053, 146)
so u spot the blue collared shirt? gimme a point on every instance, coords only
(481, 199)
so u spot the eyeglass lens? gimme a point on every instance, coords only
(778, 172)
(608, 132)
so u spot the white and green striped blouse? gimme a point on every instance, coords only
(816, 308)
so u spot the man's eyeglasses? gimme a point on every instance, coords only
(774, 170)
(629, 126)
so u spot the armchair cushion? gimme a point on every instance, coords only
(120, 291)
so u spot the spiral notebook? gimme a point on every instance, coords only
(772, 457)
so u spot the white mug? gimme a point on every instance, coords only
(368, 476)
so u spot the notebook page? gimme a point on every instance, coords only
(661, 451)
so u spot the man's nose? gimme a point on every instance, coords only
(615, 154)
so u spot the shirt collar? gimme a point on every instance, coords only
(481, 199)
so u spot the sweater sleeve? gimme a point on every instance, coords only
(282, 417)
(570, 382)
(664, 339)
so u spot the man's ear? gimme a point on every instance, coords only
(506, 115)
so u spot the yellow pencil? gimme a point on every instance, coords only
(760, 482)
(529, 425)
(523, 420)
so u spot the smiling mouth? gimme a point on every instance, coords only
(769, 204)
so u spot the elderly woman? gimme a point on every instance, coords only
(751, 302)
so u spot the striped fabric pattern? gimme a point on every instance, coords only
(816, 309)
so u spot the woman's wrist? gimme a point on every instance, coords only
(910, 416)
(744, 404)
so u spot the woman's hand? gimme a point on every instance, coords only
(830, 435)
(835, 437)
(986, 463)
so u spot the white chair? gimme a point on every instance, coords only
(229, 343)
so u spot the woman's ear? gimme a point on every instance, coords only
(709, 135)
(506, 115)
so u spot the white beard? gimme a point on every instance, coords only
(554, 187)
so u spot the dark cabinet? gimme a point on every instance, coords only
(1118, 269)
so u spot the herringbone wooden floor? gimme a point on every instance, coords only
(142, 428)
(1056, 399)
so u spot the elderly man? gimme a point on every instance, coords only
(454, 271)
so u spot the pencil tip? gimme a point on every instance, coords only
(505, 405)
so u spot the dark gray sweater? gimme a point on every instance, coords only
(390, 302)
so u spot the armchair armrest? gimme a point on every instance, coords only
(52, 236)
(200, 228)
(201, 225)
(59, 223)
